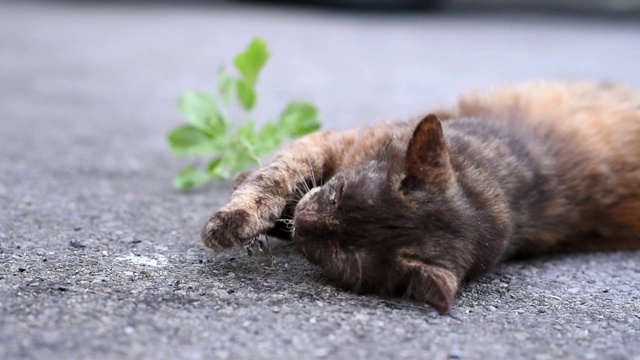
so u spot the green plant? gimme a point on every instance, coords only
(233, 143)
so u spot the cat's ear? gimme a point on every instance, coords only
(432, 284)
(427, 159)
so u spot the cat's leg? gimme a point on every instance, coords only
(260, 198)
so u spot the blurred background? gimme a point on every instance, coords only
(112, 70)
(550, 5)
(358, 60)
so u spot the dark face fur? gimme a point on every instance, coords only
(391, 226)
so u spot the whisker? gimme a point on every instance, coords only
(320, 178)
(266, 238)
(296, 196)
(313, 175)
(306, 187)
(296, 191)
(303, 182)
(359, 262)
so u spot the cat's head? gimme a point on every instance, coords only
(393, 226)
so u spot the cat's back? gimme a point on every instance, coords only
(591, 135)
(603, 119)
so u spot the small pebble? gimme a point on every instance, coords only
(76, 244)
(321, 352)
(275, 309)
(542, 310)
(455, 353)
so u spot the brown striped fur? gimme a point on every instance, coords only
(414, 208)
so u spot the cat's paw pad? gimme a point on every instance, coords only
(224, 229)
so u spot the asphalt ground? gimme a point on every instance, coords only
(101, 258)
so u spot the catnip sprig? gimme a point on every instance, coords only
(233, 144)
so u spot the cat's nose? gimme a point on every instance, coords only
(307, 199)
(307, 208)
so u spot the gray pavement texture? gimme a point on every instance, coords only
(100, 257)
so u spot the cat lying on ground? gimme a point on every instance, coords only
(414, 208)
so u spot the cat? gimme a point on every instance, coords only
(415, 208)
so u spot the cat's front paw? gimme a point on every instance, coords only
(227, 228)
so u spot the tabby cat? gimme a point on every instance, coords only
(414, 208)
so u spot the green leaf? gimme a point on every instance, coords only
(208, 131)
(299, 118)
(246, 94)
(245, 150)
(188, 140)
(190, 176)
(225, 84)
(246, 131)
(268, 138)
(216, 168)
(200, 109)
(250, 61)
(242, 157)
